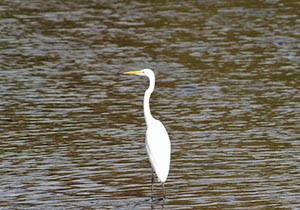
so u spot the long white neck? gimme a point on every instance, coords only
(147, 112)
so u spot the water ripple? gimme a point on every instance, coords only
(72, 127)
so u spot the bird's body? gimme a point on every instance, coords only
(158, 149)
(157, 139)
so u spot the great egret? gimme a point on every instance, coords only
(157, 139)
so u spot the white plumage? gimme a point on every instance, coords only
(157, 139)
(158, 149)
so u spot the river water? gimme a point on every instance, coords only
(72, 127)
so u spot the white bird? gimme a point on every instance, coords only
(157, 139)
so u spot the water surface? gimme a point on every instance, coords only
(72, 127)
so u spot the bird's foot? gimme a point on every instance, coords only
(156, 200)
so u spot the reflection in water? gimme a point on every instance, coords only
(228, 91)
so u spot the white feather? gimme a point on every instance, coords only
(158, 149)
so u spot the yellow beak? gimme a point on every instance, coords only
(133, 72)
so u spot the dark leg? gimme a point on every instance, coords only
(164, 191)
(152, 185)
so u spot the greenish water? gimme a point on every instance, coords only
(72, 128)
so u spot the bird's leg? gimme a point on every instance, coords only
(152, 184)
(164, 191)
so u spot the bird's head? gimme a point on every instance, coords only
(143, 72)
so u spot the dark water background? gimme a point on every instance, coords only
(72, 127)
